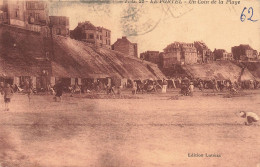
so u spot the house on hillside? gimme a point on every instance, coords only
(123, 45)
(59, 25)
(222, 54)
(30, 15)
(151, 56)
(3, 16)
(244, 53)
(86, 31)
(255, 53)
(205, 55)
(190, 53)
(179, 53)
(172, 55)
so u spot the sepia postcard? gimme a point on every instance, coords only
(129, 83)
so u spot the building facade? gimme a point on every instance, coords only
(151, 56)
(221, 54)
(123, 45)
(59, 25)
(30, 15)
(189, 53)
(89, 33)
(244, 53)
(172, 55)
(179, 53)
(205, 55)
(1, 17)
(167, 60)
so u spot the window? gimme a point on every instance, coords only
(35, 5)
(58, 31)
(30, 5)
(40, 5)
(84, 36)
(100, 37)
(47, 55)
(17, 13)
(91, 36)
(62, 21)
(37, 16)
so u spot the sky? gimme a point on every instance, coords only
(154, 26)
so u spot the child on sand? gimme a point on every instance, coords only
(250, 117)
(8, 92)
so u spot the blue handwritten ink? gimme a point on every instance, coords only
(250, 11)
(243, 17)
(250, 18)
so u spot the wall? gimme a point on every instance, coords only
(21, 14)
(23, 51)
(168, 59)
(60, 25)
(123, 46)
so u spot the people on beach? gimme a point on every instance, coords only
(164, 86)
(110, 89)
(215, 85)
(28, 88)
(201, 86)
(191, 89)
(59, 90)
(1, 92)
(7, 92)
(134, 89)
(251, 117)
(173, 83)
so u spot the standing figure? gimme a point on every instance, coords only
(1, 91)
(134, 88)
(8, 92)
(59, 90)
(28, 88)
(184, 89)
(173, 83)
(250, 117)
(201, 86)
(215, 85)
(164, 87)
(191, 89)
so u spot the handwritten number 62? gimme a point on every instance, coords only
(243, 16)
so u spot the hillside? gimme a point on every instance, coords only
(220, 70)
(76, 57)
(27, 53)
(22, 52)
(253, 67)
